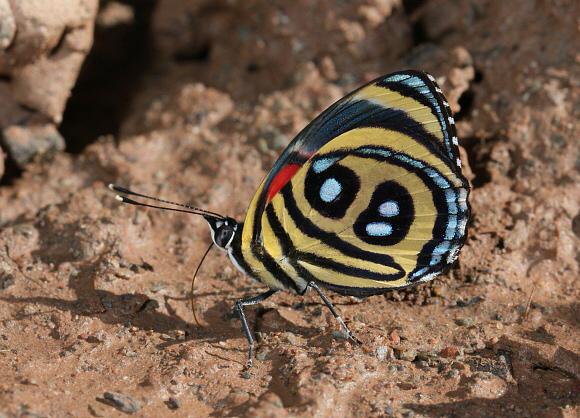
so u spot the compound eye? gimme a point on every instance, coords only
(223, 235)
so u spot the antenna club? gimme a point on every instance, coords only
(111, 186)
(119, 198)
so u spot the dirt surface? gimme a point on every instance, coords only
(95, 317)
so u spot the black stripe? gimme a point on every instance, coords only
(284, 240)
(365, 114)
(360, 292)
(413, 92)
(258, 212)
(294, 256)
(272, 266)
(267, 261)
(289, 250)
(349, 270)
(330, 238)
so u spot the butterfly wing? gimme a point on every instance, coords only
(368, 197)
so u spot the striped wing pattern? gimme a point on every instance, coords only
(368, 197)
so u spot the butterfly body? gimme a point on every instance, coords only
(369, 197)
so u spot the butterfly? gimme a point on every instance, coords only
(369, 197)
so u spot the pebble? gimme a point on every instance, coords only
(382, 352)
(174, 403)
(449, 352)
(340, 335)
(288, 337)
(423, 356)
(423, 364)
(123, 403)
(465, 321)
(438, 291)
(408, 354)
(515, 208)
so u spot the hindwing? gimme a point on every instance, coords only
(368, 197)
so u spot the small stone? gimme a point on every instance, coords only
(437, 290)
(23, 143)
(8, 25)
(6, 279)
(465, 321)
(262, 146)
(158, 286)
(394, 337)
(423, 364)
(261, 356)
(382, 352)
(340, 335)
(408, 354)
(123, 403)
(535, 316)
(328, 69)
(461, 57)
(449, 352)
(515, 208)
(288, 337)
(174, 403)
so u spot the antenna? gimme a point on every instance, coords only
(191, 295)
(193, 210)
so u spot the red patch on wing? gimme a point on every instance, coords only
(281, 179)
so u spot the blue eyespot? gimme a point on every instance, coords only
(322, 164)
(330, 190)
(379, 229)
(389, 208)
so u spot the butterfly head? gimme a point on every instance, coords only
(223, 231)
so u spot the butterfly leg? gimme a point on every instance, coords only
(334, 312)
(240, 306)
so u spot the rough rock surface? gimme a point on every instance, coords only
(42, 48)
(94, 295)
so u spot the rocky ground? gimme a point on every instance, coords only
(193, 102)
